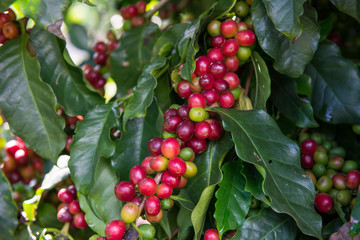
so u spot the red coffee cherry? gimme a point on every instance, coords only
(79, 220)
(147, 186)
(170, 148)
(152, 206)
(137, 173)
(115, 230)
(323, 202)
(176, 166)
(170, 179)
(164, 190)
(211, 234)
(245, 38)
(124, 191)
(65, 195)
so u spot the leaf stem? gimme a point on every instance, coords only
(125, 98)
(155, 9)
(137, 229)
(162, 71)
(248, 80)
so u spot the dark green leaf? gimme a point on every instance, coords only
(65, 79)
(355, 213)
(46, 216)
(131, 149)
(285, 14)
(184, 223)
(326, 26)
(284, 96)
(268, 225)
(233, 202)
(349, 7)
(28, 103)
(254, 182)
(163, 92)
(340, 212)
(78, 36)
(262, 90)
(258, 140)
(304, 85)
(335, 94)
(4, 4)
(8, 210)
(43, 12)
(188, 44)
(132, 54)
(171, 35)
(331, 227)
(209, 173)
(291, 56)
(144, 90)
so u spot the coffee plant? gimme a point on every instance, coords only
(178, 119)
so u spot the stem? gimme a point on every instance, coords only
(162, 71)
(155, 8)
(137, 229)
(173, 234)
(248, 80)
(33, 237)
(125, 98)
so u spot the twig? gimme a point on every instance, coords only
(155, 8)
(248, 80)
(173, 234)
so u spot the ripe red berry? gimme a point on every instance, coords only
(170, 148)
(99, 47)
(202, 65)
(228, 28)
(115, 230)
(154, 146)
(11, 147)
(72, 190)
(21, 157)
(218, 41)
(112, 45)
(137, 21)
(323, 202)
(216, 129)
(353, 179)
(64, 215)
(308, 146)
(183, 112)
(13, 176)
(124, 191)
(164, 190)
(170, 179)
(221, 86)
(185, 130)
(137, 173)
(210, 95)
(339, 181)
(170, 112)
(307, 161)
(183, 182)
(4, 18)
(215, 54)
(65, 195)
(196, 100)
(211, 234)
(152, 206)
(232, 79)
(245, 38)
(158, 163)
(217, 69)
(147, 186)
(232, 63)
(202, 130)
(100, 58)
(146, 165)
(79, 220)
(197, 145)
(171, 123)
(226, 100)
(183, 89)
(230, 47)
(141, 7)
(195, 86)
(207, 81)
(176, 166)
(74, 207)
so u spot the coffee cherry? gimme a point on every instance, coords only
(226, 100)
(196, 100)
(13, 176)
(99, 47)
(210, 95)
(245, 38)
(147, 231)
(124, 191)
(312, 177)
(187, 154)
(11, 147)
(74, 207)
(112, 45)
(307, 161)
(336, 162)
(183, 182)
(183, 112)
(344, 197)
(159, 163)
(137, 173)
(211, 234)
(170, 112)
(191, 170)
(146, 165)
(202, 130)
(221, 86)
(136, 199)
(215, 54)
(230, 48)
(218, 41)
(236, 92)
(323, 202)
(185, 130)
(324, 183)
(115, 230)
(243, 53)
(164, 190)
(154, 146)
(232, 79)
(353, 179)
(228, 28)
(171, 123)
(197, 145)
(27, 172)
(232, 63)
(308, 146)
(242, 26)
(21, 157)
(183, 89)
(170, 148)
(10, 30)
(156, 218)
(129, 212)
(202, 65)
(349, 165)
(206, 81)
(319, 170)
(217, 69)
(141, 7)
(198, 114)
(65, 195)
(195, 86)
(241, 9)
(9, 164)
(213, 28)
(166, 203)
(216, 129)
(3, 39)
(63, 215)
(137, 21)
(339, 181)
(147, 186)
(170, 179)
(79, 220)
(321, 157)
(152, 206)
(5, 18)
(176, 166)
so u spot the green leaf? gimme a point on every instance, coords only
(262, 90)
(355, 213)
(183, 221)
(285, 98)
(28, 103)
(233, 202)
(286, 15)
(131, 149)
(335, 94)
(291, 56)
(132, 54)
(43, 12)
(349, 7)
(78, 35)
(326, 26)
(65, 79)
(188, 44)
(163, 93)
(340, 212)
(254, 182)
(144, 90)
(268, 225)
(4, 4)
(171, 35)
(8, 210)
(209, 173)
(304, 85)
(258, 140)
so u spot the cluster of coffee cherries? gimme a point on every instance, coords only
(95, 75)
(133, 15)
(333, 177)
(214, 77)
(69, 210)
(21, 163)
(9, 28)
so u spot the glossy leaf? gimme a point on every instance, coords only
(188, 44)
(335, 94)
(163, 92)
(233, 202)
(209, 173)
(131, 149)
(65, 79)
(355, 213)
(183, 221)
(304, 85)
(131, 55)
(268, 225)
(258, 140)
(326, 26)
(291, 56)
(262, 90)
(254, 182)
(4, 4)
(286, 15)
(144, 90)
(28, 103)
(349, 7)
(285, 98)
(8, 210)
(43, 12)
